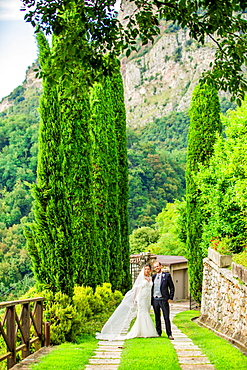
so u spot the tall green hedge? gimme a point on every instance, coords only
(48, 238)
(204, 123)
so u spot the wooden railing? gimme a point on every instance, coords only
(22, 330)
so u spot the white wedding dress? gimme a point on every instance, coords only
(143, 326)
(136, 302)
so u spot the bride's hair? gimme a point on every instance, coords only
(148, 265)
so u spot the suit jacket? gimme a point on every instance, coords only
(166, 286)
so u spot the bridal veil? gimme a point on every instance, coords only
(124, 313)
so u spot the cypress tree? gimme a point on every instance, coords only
(113, 219)
(100, 177)
(47, 236)
(110, 177)
(204, 123)
(76, 149)
(117, 95)
(61, 240)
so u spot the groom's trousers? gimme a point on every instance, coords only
(161, 304)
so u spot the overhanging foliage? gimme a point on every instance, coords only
(96, 23)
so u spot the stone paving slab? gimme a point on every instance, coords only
(186, 345)
(182, 339)
(111, 343)
(104, 361)
(196, 367)
(194, 360)
(109, 348)
(107, 355)
(101, 367)
(188, 353)
(185, 348)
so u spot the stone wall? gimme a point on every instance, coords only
(224, 303)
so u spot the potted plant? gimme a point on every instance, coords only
(220, 251)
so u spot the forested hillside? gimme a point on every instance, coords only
(156, 155)
(18, 161)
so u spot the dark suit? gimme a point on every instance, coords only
(167, 292)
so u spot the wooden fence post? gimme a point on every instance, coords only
(10, 327)
(26, 327)
(39, 323)
(47, 334)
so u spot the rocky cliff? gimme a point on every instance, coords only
(158, 78)
(30, 83)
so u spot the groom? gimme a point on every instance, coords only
(162, 292)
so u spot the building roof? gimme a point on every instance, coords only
(165, 260)
(171, 260)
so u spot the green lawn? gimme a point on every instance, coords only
(148, 354)
(68, 356)
(221, 353)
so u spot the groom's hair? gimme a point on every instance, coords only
(158, 262)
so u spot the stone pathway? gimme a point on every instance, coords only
(107, 356)
(190, 356)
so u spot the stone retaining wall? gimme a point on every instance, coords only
(224, 303)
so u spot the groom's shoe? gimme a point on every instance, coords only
(170, 337)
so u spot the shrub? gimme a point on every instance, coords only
(84, 313)
(241, 258)
(110, 299)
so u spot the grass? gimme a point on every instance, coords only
(221, 353)
(68, 356)
(149, 353)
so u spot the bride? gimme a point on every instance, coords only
(137, 301)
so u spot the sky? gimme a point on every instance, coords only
(18, 49)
